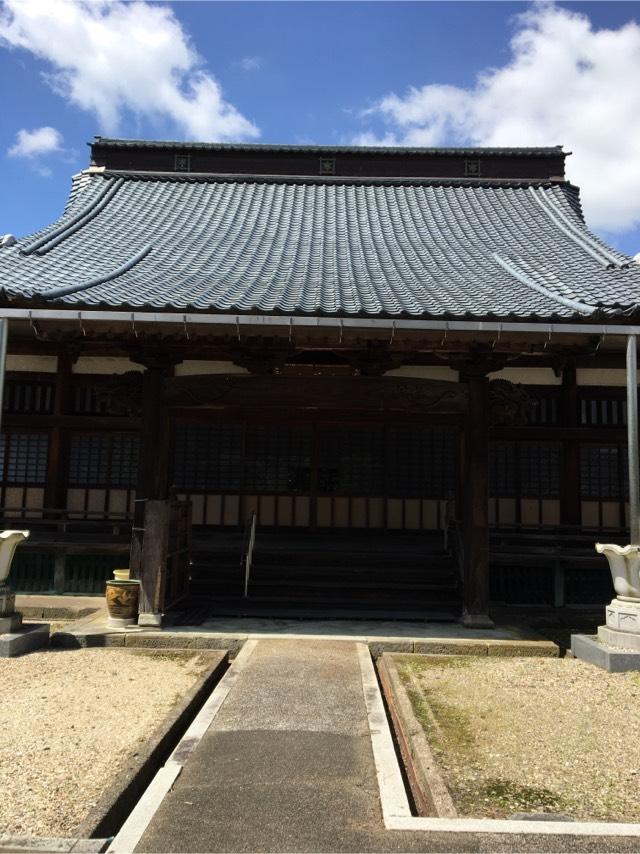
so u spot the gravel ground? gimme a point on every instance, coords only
(68, 721)
(531, 735)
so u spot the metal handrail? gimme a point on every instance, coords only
(247, 552)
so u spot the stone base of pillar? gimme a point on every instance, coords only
(150, 620)
(120, 622)
(477, 621)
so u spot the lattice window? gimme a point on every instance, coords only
(524, 469)
(603, 472)
(32, 396)
(209, 457)
(503, 479)
(23, 458)
(351, 461)
(124, 460)
(421, 462)
(277, 459)
(539, 469)
(105, 460)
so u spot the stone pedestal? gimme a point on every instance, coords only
(10, 621)
(616, 647)
(15, 638)
(7, 600)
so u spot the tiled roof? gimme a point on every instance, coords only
(421, 248)
(337, 149)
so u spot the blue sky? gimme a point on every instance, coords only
(427, 73)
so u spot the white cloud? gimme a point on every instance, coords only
(34, 143)
(565, 83)
(249, 63)
(112, 57)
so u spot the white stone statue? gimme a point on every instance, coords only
(8, 542)
(624, 563)
(9, 620)
(623, 614)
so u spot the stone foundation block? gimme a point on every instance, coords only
(537, 649)
(161, 640)
(26, 639)
(450, 647)
(587, 648)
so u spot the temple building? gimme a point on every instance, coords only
(331, 380)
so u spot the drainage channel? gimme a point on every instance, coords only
(403, 764)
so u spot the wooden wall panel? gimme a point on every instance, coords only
(267, 510)
(530, 511)
(430, 514)
(590, 514)
(359, 513)
(376, 512)
(412, 514)
(394, 513)
(610, 514)
(302, 509)
(231, 513)
(550, 511)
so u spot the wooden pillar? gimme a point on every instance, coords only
(475, 501)
(154, 463)
(55, 491)
(152, 569)
(570, 513)
(151, 523)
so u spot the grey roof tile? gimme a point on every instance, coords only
(419, 248)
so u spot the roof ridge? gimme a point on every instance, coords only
(533, 151)
(334, 180)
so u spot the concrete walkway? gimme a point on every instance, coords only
(287, 764)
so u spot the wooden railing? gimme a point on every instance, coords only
(63, 521)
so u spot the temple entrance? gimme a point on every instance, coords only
(350, 516)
